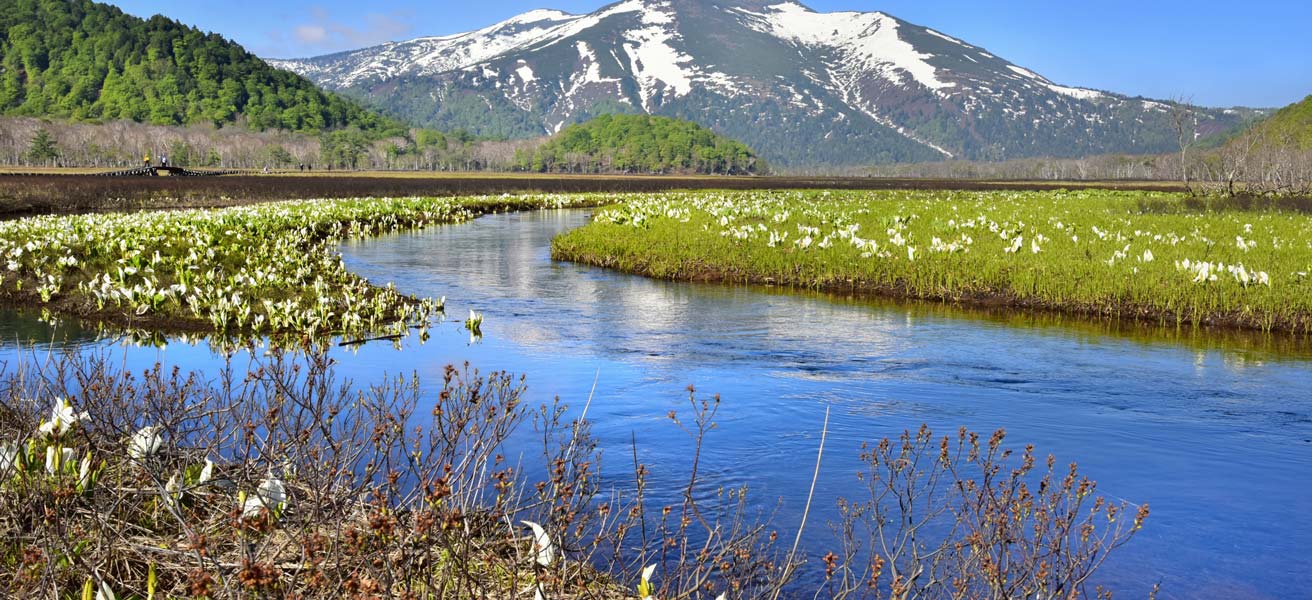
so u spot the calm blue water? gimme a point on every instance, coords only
(1216, 434)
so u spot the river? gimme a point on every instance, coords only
(1214, 432)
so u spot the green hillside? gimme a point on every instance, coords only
(640, 144)
(1290, 125)
(86, 61)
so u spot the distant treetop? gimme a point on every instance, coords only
(641, 144)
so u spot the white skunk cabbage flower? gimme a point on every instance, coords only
(105, 592)
(62, 418)
(144, 443)
(273, 491)
(8, 457)
(172, 491)
(84, 472)
(206, 472)
(270, 494)
(56, 459)
(645, 589)
(543, 550)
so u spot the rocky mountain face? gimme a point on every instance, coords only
(802, 87)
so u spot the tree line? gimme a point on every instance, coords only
(32, 142)
(1259, 162)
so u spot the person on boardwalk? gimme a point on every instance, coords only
(146, 160)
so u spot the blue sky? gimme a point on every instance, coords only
(1256, 53)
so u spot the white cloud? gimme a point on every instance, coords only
(310, 34)
(323, 33)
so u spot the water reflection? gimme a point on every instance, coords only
(1210, 428)
(1181, 418)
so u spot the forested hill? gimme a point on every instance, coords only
(1291, 125)
(640, 144)
(86, 61)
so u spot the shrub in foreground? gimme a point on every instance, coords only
(275, 480)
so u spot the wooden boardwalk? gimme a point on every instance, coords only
(171, 171)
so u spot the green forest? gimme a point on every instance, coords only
(1291, 125)
(640, 144)
(85, 61)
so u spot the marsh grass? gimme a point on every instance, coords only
(1105, 253)
(67, 192)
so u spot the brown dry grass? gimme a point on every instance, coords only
(73, 191)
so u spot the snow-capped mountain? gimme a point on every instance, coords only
(802, 87)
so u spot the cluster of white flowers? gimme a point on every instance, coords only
(1204, 272)
(265, 268)
(815, 222)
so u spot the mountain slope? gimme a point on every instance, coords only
(84, 60)
(1290, 126)
(805, 87)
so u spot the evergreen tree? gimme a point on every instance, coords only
(43, 149)
(279, 156)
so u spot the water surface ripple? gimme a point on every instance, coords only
(1215, 433)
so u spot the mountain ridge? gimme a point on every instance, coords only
(805, 87)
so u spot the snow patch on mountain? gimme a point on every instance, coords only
(431, 55)
(653, 60)
(873, 113)
(1077, 93)
(592, 72)
(869, 40)
(525, 72)
(579, 82)
(722, 83)
(948, 38)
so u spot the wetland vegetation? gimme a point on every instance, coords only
(266, 269)
(277, 479)
(1135, 255)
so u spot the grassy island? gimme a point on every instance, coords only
(1142, 255)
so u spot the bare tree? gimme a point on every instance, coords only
(1235, 157)
(1184, 119)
